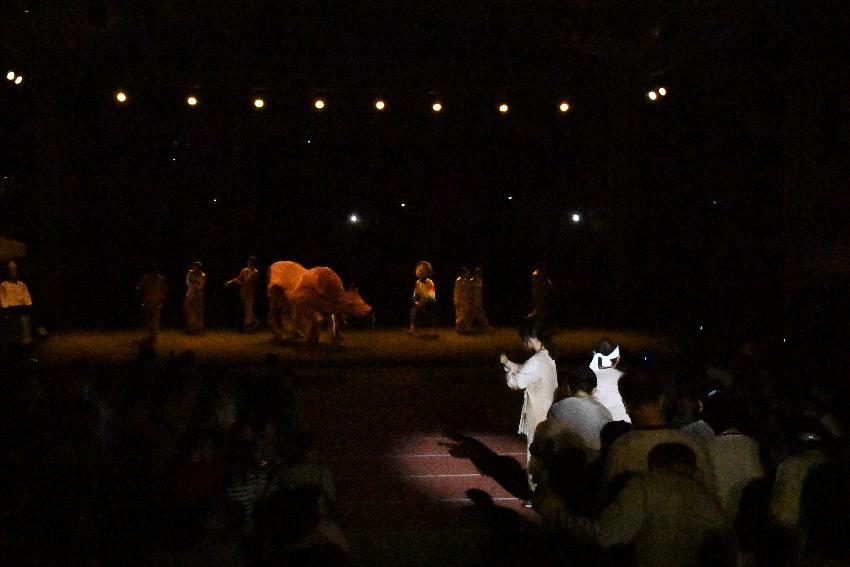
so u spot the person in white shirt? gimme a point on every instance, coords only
(537, 376)
(581, 413)
(15, 300)
(642, 393)
(606, 358)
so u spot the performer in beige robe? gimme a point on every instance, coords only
(461, 296)
(193, 304)
(247, 282)
(152, 288)
(15, 301)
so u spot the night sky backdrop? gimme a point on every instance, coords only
(704, 207)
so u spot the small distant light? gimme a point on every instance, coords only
(503, 108)
(575, 217)
(191, 101)
(652, 95)
(353, 218)
(437, 107)
(510, 197)
(784, 340)
(319, 104)
(662, 91)
(403, 205)
(215, 200)
(700, 327)
(379, 104)
(19, 80)
(564, 106)
(121, 96)
(10, 75)
(713, 202)
(259, 103)
(645, 358)
(308, 141)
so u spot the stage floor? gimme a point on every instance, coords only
(380, 347)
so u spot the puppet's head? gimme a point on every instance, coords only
(423, 270)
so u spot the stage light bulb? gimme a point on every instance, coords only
(19, 80)
(437, 107)
(662, 91)
(576, 217)
(503, 108)
(510, 197)
(564, 107)
(259, 103)
(121, 96)
(353, 218)
(191, 101)
(380, 105)
(319, 104)
(10, 75)
(403, 205)
(652, 95)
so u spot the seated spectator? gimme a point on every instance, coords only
(666, 514)
(790, 476)
(642, 395)
(606, 358)
(735, 457)
(701, 428)
(581, 413)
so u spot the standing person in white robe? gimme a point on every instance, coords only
(193, 304)
(461, 299)
(606, 358)
(537, 376)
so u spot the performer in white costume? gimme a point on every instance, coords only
(606, 358)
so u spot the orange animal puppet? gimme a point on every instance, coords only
(300, 298)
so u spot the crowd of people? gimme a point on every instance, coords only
(683, 466)
(168, 463)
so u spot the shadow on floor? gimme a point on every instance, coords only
(507, 471)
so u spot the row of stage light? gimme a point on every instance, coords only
(320, 104)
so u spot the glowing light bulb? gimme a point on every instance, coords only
(576, 218)
(353, 218)
(662, 91)
(19, 80)
(379, 104)
(10, 75)
(259, 103)
(437, 107)
(319, 104)
(652, 95)
(503, 108)
(191, 101)
(121, 96)
(564, 106)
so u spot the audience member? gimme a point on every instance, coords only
(581, 413)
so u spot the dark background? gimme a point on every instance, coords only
(721, 205)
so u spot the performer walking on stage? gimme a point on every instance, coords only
(247, 282)
(424, 295)
(15, 302)
(461, 299)
(193, 304)
(537, 376)
(477, 318)
(152, 288)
